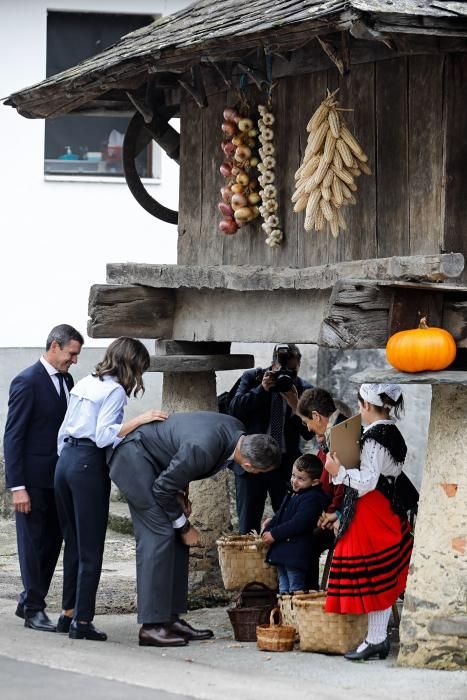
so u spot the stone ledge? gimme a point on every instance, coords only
(200, 363)
(393, 376)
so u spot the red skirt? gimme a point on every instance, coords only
(371, 561)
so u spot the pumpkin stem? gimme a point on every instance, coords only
(423, 324)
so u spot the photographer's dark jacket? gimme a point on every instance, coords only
(252, 405)
(292, 528)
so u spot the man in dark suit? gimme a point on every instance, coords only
(153, 467)
(263, 408)
(36, 408)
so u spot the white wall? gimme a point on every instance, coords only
(56, 237)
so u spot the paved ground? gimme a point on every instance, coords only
(211, 670)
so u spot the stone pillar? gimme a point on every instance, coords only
(433, 630)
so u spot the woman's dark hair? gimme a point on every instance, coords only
(310, 464)
(318, 400)
(126, 359)
(397, 407)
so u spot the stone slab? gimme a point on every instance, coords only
(200, 363)
(379, 376)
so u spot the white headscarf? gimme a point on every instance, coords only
(372, 393)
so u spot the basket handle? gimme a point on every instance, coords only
(255, 584)
(272, 622)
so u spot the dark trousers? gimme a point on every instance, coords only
(82, 488)
(161, 567)
(251, 494)
(321, 541)
(39, 540)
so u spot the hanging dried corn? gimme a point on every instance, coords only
(325, 180)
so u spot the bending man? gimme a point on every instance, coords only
(153, 467)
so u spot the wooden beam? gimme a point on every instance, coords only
(427, 268)
(140, 312)
(206, 315)
(364, 314)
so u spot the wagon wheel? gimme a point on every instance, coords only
(137, 137)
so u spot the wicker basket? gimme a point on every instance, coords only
(328, 633)
(245, 621)
(287, 608)
(241, 558)
(275, 637)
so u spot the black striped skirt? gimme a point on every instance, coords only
(371, 561)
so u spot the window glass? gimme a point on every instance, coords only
(88, 145)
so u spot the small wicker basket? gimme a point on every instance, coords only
(275, 637)
(241, 558)
(323, 632)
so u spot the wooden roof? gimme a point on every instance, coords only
(214, 29)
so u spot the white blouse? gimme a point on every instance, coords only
(95, 412)
(374, 460)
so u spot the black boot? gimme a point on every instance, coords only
(371, 650)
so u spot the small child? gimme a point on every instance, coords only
(289, 532)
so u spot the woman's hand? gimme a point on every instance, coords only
(152, 415)
(267, 538)
(332, 464)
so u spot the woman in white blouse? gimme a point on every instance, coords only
(374, 542)
(93, 425)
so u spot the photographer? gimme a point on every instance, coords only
(266, 401)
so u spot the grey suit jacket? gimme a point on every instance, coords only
(158, 460)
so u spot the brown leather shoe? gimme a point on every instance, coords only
(185, 630)
(160, 636)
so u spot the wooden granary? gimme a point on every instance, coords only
(401, 70)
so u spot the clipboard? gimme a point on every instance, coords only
(344, 440)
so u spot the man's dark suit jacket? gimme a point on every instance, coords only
(35, 415)
(185, 447)
(252, 405)
(292, 528)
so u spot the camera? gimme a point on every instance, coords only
(284, 377)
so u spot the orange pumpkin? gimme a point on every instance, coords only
(421, 349)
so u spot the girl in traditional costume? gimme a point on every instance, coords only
(374, 542)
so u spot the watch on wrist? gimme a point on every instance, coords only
(185, 527)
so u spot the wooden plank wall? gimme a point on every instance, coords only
(409, 113)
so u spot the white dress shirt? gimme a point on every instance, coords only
(374, 460)
(95, 412)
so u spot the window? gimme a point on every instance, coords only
(89, 146)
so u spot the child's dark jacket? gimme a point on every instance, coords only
(292, 528)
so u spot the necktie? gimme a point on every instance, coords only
(277, 418)
(62, 395)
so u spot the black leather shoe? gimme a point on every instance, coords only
(86, 630)
(160, 636)
(185, 630)
(370, 651)
(39, 621)
(63, 624)
(19, 612)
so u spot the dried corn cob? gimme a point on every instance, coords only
(318, 138)
(345, 152)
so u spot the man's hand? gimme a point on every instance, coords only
(332, 464)
(191, 537)
(185, 503)
(267, 538)
(268, 381)
(21, 501)
(291, 397)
